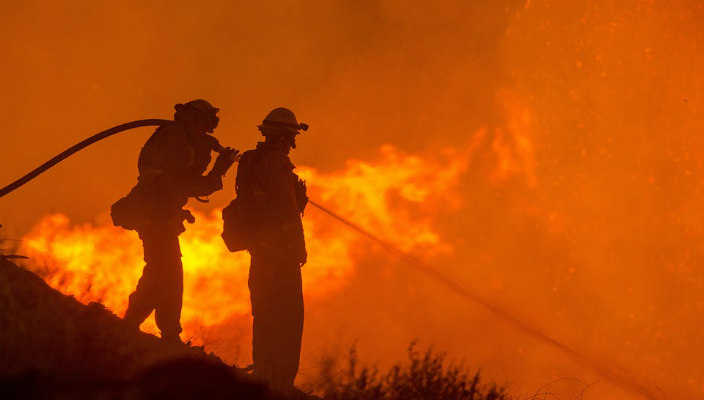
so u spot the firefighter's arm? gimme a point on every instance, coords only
(204, 185)
(226, 158)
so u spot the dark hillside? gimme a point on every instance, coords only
(54, 347)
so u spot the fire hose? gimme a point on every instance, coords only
(616, 375)
(83, 144)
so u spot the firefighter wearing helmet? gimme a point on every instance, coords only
(265, 219)
(171, 166)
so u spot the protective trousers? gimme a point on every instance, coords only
(277, 309)
(161, 286)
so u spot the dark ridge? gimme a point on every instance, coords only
(52, 346)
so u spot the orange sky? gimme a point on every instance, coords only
(580, 124)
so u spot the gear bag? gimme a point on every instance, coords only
(144, 204)
(128, 212)
(242, 217)
(234, 226)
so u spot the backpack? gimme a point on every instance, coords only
(242, 218)
(234, 226)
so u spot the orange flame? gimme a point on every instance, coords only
(104, 263)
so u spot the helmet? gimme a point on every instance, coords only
(281, 120)
(203, 110)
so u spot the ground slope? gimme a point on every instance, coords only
(52, 346)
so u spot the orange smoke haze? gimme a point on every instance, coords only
(547, 154)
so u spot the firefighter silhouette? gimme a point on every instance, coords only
(265, 219)
(171, 166)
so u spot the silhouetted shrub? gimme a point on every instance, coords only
(426, 376)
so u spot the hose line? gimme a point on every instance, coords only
(79, 146)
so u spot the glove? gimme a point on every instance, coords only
(188, 216)
(301, 197)
(303, 259)
(296, 243)
(225, 159)
(178, 219)
(300, 253)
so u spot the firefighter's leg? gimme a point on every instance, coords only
(169, 297)
(142, 301)
(291, 317)
(277, 308)
(169, 303)
(263, 324)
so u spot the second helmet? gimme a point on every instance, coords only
(281, 119)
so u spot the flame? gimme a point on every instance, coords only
(395, 196)
(513, 144)
(103, 263)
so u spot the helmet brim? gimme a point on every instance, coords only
(182, 107)
(278, 129)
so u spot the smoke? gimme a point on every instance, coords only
(574, 130)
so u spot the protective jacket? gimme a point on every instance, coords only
(171, 166)
(270, 200)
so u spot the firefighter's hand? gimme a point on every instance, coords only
(302, 255)
(232, 154)
(225, 159)
(188, 216)
(301, 197)
(182, 215)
